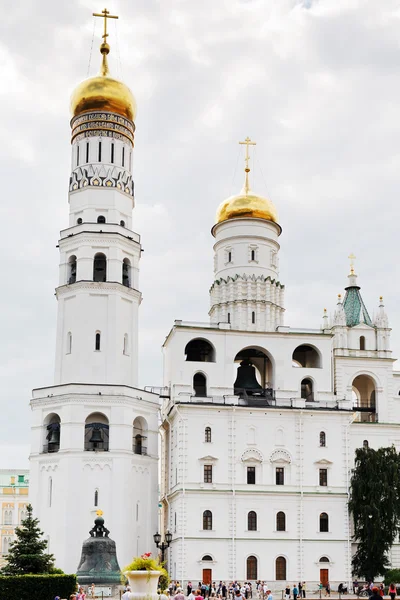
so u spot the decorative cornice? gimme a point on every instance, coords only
(104, 124)
(280, 456)
(252, 455)
(98, 176)
(247, 278)
(99, 286)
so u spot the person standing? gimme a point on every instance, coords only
(192, 595)
(327, 590)
(198, 595)
(304, 589)
(269, 597)
(300, 586)
(295, 592)
(392, 591)
(224, 590)
(189, 588)
(287, 592)
(179, 595)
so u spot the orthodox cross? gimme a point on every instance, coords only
(352, 259)
(247, 142)
(106, 15)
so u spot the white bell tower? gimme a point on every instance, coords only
(94, 434)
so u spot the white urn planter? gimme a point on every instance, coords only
(143, 584)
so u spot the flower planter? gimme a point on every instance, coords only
(143, 584)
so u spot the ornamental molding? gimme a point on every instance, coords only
(48, 465)
(208, 458)
(98, 286)
(99, 176)
(79, 397)
(98, 462)
(75, 240)
(252, 455)
(102, 124)
(282, 456)
(140, 469)
(247, 301)
(247, 279)
(323, 461)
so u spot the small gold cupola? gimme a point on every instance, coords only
(102, 92)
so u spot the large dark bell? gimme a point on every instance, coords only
(54, 436)
(246, 378)
(96, 436)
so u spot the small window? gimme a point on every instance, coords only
(100, 267)
(123, 156)
(175, 521)
(130, 161)
(253, 317)
(229, 317)
(229, 256)
(253, 255)
(365, 444)
(207, 434)
(251, 475)
(323, 522)
(69, 342)
(126, 345)
(97, 342)
(87, 152)
(207, 473)
(362, 343)
(324, 559)
(322, 439)
(207, 520)
(99, 151)
(280, 521)
(122, 223)
(323, 477)
(50, 491)
(252, 521)
(280, 476)
(77, 156)
(101, 219)
(200, 385)
(112, 153)
(126, 272)
(79, 221)
(96, 497)
(207, 558)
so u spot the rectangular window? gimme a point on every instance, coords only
(77, 156)
(253, 255)
(207, 473)
(229, 256)
(251, 474)
(229, 317)
(253, 317)
(280, 476)
(87, 152)
(123, 156)
(112, 153)
(323, 477)
(99, 151)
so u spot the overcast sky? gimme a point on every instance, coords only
(315, 82)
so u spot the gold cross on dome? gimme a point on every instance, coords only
(352, 259)
(247, 142)
(106, 15)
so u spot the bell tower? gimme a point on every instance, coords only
(94, 433)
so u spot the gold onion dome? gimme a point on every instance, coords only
(247, 205)
(103, 93)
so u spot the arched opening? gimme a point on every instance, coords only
(50, 491)
(96, 497)
(126, 344)
(101, 219)
(79, 221)
(6, 544)
(280, 568)
(324, 559)
(200, 385)
(252, 521)
(362, 342)
(69, 343)
(307, 357)
(7, 517)
(251, 568)
(100, 267)
(207, 435)
(52, 432)
(280, 521)
(307, 391)
(323, 522)
(364, 398)
(97, 433)
(199, 350)
(207, 520)
(97, 341)
(322, 439)
(254, 375)
(126, 272)
(122, 223)
(140, 436)
(207, 558)
(72, 269)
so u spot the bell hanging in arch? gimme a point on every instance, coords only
(246, 378)
(96, 436)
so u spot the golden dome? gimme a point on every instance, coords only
(247, 204)
(103, 93)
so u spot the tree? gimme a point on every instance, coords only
(375, 506)
(27, 554)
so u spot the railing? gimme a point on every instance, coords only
(139, 449)
(51, 447)
(96, 446)
(364, 405)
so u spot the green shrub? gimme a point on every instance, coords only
(392, 576)
(45, 587)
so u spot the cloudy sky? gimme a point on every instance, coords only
(315, 82)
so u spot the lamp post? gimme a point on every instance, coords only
(163, 545)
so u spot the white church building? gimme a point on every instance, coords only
(259, 421)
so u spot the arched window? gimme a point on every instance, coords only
(52, 429)
(126, 272)
(207, 558)
(72, 269)
(122, 223)
(307, 357)
(280, 568)
(69, 343)
(252, 521)
(8, 517)
(6, 544)
(123, 156)
(97, 341)
(280, 521)
(207, 434)
(365, 444)
(101, 219)
(323, 522)
(96, 433)
(322, 439)
(307, 391)
(140, 435)
(96, 498)
(362, 342)
(77, 155)
(87, 152)
(100, 267)
(99, 153)
(324, 559)
(253, 317)
(50, 490)
(199, 350)
(200, 385)
(79, 221)
(229, 318)
(126, 344)
(251, 568)
(207, 520)
(112, 152)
